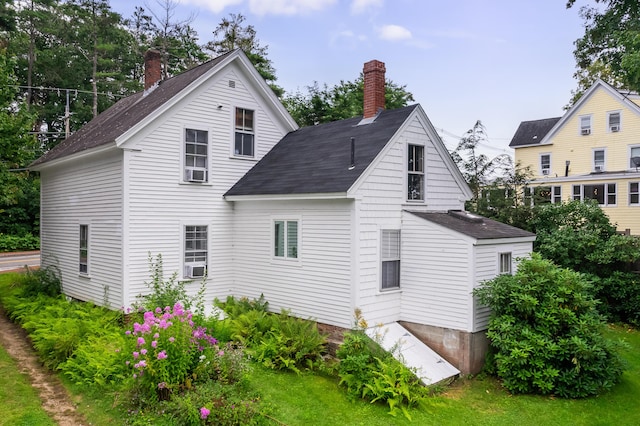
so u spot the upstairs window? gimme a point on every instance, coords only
(195, 251)
(196, 160)
(390, 275)
(83, 262)
(415, 176)
(504, 261)
(545, 164)
(634, 157)
(244, 145)
(585, 125)
(286, 239)
(598, 160)
(613, 119)
(634, 193)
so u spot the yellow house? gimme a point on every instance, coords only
(591, 152)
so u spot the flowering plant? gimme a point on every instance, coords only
(165, 349)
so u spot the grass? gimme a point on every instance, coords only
(313, 399)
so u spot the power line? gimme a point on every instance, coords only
(75, 91)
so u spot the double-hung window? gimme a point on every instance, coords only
(545, 164)
(390, 256)
(585, 125)
(598, 160)
(415, 173)
(634, 157)
(634, 193)
(196, 159)
(613, 119)
(195, 251)
(504, 263)
(244, 143)
(285, 239)
(83, 260)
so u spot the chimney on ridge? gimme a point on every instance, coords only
(373, 88)
(152, 68)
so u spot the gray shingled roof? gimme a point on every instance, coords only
(316, 159)
(125, 114)
(474, 226)
(532, 132)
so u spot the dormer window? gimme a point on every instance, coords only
(585, 125)
(244, 143)
(613, 121)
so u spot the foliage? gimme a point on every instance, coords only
(344, 100)
(45, 281)
(611, 40)
(477, 168)
(10, 243)
(619, 294)
(547, 334)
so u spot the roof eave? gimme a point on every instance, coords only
(508, 240)
(289, 197)
(80, 155)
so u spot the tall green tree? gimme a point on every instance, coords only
(232, 33)
(477, 168)
(344, 100)
(610, 46)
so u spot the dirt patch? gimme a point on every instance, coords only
(55, 399)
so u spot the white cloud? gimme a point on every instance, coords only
(347, 39)
(288, 7)
(394, 33)
(215, 6)
(361, 6)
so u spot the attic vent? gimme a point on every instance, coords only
(232, 84)
(466, 216)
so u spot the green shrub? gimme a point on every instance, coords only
(620, 297)
(44, 281)
(9, 243)
(547, 334)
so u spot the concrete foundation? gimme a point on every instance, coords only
(466, 351)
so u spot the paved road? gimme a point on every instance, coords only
(17, 261)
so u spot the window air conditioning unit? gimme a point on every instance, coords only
(196, 175)
(545, 172)
(615, 128)
(599, 169)
(586, 131)
(195, 270)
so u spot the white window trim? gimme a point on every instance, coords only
(511, 269)
(540, 164)
(629, 193)
(593, 159)
(606, 192)
(631, 147)
(553, 189)
(286, 259)
(183, 153)
(424, 173)
(590, 128)
(183, 264)
(609, 113)
(382, 259)
(232, 151)
(86, 274)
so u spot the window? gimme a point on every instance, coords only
(196, 155)
(613, 119)
(634, 193)
(604, 193)
(415, 177)
(556, 194)
(195, 251)
(545, 164)
(245, 133)
(505, 263)
(286, 239)
(390, 276)
(83, 261)
(598, 160)
(585, 125)
(634, 157)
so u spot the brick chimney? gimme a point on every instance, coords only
(152, 68)
(373, 88)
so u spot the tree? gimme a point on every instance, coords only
(344, 100)
(547, 334)
(477, 168)
(231, 33)
(610, 46)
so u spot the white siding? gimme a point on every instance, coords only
(437, 272)
(86, 192)
(318, 284)
(160, 204)
(487, 258)
(383, 197)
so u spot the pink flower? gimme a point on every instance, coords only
(162, 355)
(162, 385)
(143, 351)
(155, 336)
(221, 353)
(158, 310)
(135, 355)
(172, 339)
(128, 332)
(154, 344)
(140, 341)
(204, 412)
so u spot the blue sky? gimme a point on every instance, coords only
(498, 61)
